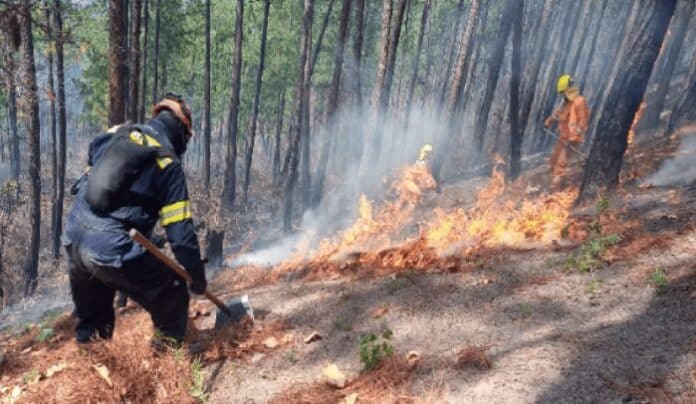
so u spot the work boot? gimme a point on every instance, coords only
(86, 334)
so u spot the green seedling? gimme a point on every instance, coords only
(659, 279)
(45, 333)
(525, 310)
(593, 287)
(198, 381)
(291, 356)
(373, 349)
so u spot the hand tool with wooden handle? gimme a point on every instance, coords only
(235, 310)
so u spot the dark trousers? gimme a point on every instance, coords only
(145, 280)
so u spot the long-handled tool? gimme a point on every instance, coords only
(567, 144)
(233, 311)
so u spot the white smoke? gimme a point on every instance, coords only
(680, 170)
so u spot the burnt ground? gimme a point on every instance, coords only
(505, 326)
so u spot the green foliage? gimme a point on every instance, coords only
(45, 333)
(593, 286)
(526, 310)
(587, 257)
(31, 376)
(198, 381)
(373, 349)
(291, 356)
(659, 279)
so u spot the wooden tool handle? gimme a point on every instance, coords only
(174, 266)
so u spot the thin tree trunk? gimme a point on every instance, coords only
(155, 60)
(320, 39)
(456, 89)
(278, 131)
(52, 115)
(452, 52)
(134, 70)
(529, 90)
(495, 61)
(206, 103)
(679, 26)
(125, 59)
(62, 129)
(586, 16)
(303, 69)
(414, 66)
(684, 111)
(117, 108)
(358, 35)
(229, 188)
(516, 69)
(332, 102)
(257, 94)
(593, 44)
(606, 154)
(29, 105)
(143, 71)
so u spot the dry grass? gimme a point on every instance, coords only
(474, 356)
(387, 383)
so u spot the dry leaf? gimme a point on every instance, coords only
(16, 393)
(350, 399)
(413, 358)
(257, 357)
(103, 372)
(288, 338)
(314, 336)
(333, 376)
(58, 367)
(271, 342)
(380, 312)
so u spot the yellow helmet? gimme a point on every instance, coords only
(563, 83)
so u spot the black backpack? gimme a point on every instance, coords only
(125, 156)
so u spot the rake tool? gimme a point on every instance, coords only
(567, 144)
(234, 311)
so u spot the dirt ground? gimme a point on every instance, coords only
(502, 326)
(608, 336)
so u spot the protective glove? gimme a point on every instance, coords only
(198, 282)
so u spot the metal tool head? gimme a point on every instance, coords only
(238, 309)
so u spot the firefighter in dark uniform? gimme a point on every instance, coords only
(103, 259)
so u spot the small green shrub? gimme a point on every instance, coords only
(587, 257)
(45, 333)
(592, 287)
(659, 279)
(291, 356)
(198, 381)
(374, 349)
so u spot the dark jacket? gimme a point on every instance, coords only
(159, 193)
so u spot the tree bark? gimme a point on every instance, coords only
(494, 61)
(10, 81)
(303, 69)
(414, 65)
(456, 89)
(320, 39)
(230, 184)
(206, 103)
(332, 102)
(516, 131)
(143, 71)
(678, 28)
(593, 44)
(62, 129)
(278, 131)
(606, 154)
(29, 106)
(452, 52)
(117, 107)
(52, 114)
(155, 60)
(134, 70)
(358, 35)
(257, 94)
(585, 16)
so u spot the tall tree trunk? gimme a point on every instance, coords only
(29, 105)
(516, 69)
(62, 129)
(456, 89)
(320, 39)
(684, 111)
(332, 102)
(586, 17)
(117, 107)
(10, 87)
(125, 59)
(255, 106)
(303, 69)
(414, 65)
(206, 103)
(452, 52)
(155, 59)
(143, 71)
(358, 35)
(679, 26)
(134, 70)
(230, 185)
(608, 147)
(54, 141)
(495, 60)
(383, 94)
(530, 83)
(593, 44)
(278, 131)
